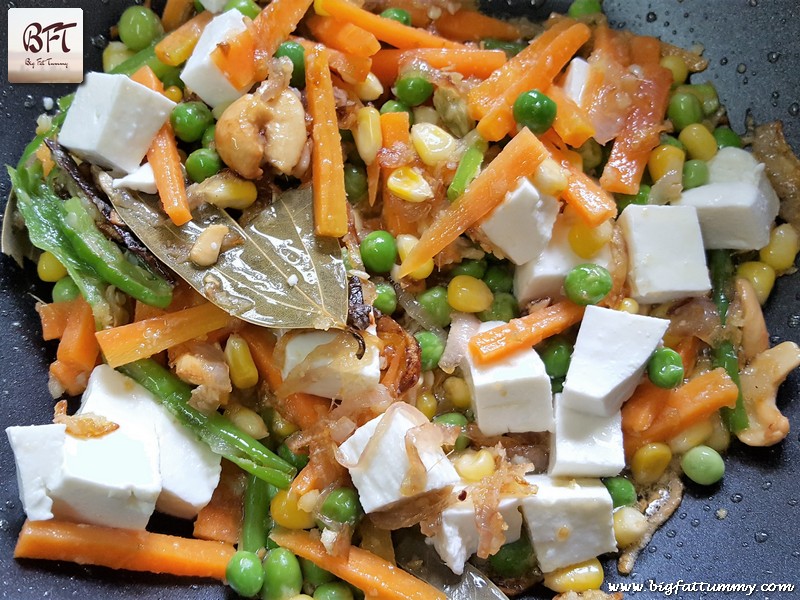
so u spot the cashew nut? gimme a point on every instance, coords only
(207, 246)
(755, 338)
(286, 132)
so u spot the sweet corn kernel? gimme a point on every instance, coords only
(677, 66)
(247, 420)
(469, 294)
(628, 305)
(427, 404)
(649, 462)
(286, 513)
(433, 144)
(409, 184)
(456, 391)
(690, 437)
(367, 133)
(280, 427)
(784, 244)
(114, 55)
(43, 124)
(761, 275)
(301, 597)
(665, 158)
(629, 526)
(587, 241)
(405, 243)
(228, 191)
(174, 93)
(720, 437)
(426, 114)
(699, 142)
(49, 268)
(240, 362)
(370, 89)
(550, 178)
(474, 466)
(587, 575)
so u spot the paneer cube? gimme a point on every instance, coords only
(576, 79)
(214, 6)
(609, 358)
(512, 395)
(376, 456)
(142, 180)
(98, 126)
(665, 251)
(569, 520)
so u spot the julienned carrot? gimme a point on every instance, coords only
(221, 519)
(175, 13)
(72, 379)
(349, 66)
(524, 332)
(176, 48)
(127, 343)
(368, 572)
(688, 348)
(78, 347)
(373, 181)
(276, 21)
(645, 50)
(395, 129)
(122, 549)
(614, 44)
(142, 311)
(327, 163)
(54, 318)
(343, 36)
(386, 30)
(470, 62)
(571, 123)
(518, 159)
(418, 12)
(472, 26)
(236, 59)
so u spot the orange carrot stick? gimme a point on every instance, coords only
(418, 12)
(236, 59)
(176, 48)
(343, 36)
(470, 62)
(518, 159)
(221, 519)
(349, 66)
(276, 21)
(54, 318)
(175, 13)
(373, 181)
(72, 379)
(645, 50)
(472, 26)
(122, 549)
(78, 347)
(395, 130)
(572, 123)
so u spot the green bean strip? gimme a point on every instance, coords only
(256, 521)
(468, 168)
(146, 57)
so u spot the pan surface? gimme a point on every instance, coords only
(742, 531)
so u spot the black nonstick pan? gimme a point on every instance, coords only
(743, 531)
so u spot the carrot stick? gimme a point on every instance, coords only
(236, 59)
(572, 123)
(78, 347)
(276, 21)
(327, 163)
(472, 26)
(176, 48)
(524, 332)
(343, 36)
(373, 181)
(518, 159)
(688, 348)
(386, 30)
(122, 549)
(72, 379)
(142, 339)
(645, 50)
(614, 44)
(470, 62)
(54, 318)
(349, 66)
(361, 568)
(221, 519)
(418, 12)
(175, 13)
(395, 130)
(142, 311)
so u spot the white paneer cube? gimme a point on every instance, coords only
(37, 453)
(738, 206)
(569, 520)
(585, 445)
(200, 74)
(544, 276)
(456, 537)
(512, 395)
(321, 374)
(378, 461)
(142, 180)
(576, 79)
(111, 481)
(214, 6)
(666, 257)
(99, 124)
(189, 469)
(609, 358)
(521, 226)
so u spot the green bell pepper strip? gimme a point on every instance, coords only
(467, 170)
(146, 57)
(256, 520)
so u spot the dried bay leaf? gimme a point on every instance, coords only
(276, 274)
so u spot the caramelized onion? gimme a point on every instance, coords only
(462, 328)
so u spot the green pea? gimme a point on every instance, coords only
(297, 54)
(534, 110)
(247, 7)
(282, 575)
(139, 27)
(703, 465)
(622, 491)
(665, 368)
(413, 90)
(640, 197)
(391, 106)
(337, 590)
(727, 137)
(431, 348)
(313, 575)
(510, 48)
(556, 354)
(190, 120)
(342, 506)
(386, 299)
(695, 174)
(355, 182)
(208, 140)
(65, 290)
(397, 14)
(504, 308)
(706, 93)
(202, 164)
(513, 560)
(499, 279)
(434, 301)
(587, 284)
(198, 6)
(672, 141)
(244, 573)
(474, 268)
(459, 420)
(379, 251)
(684, 109)
(298, 461)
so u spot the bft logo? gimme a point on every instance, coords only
(45, 45)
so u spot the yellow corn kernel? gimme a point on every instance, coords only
(628, 305)
(174, 93)
(587, 241)
(761, 275)
(426, 114)
(286, 513)
(227, 190)
(474, 466)
(456, 391)
(409, 184)
(720, 437)
(550, 178)
(114, 55)
(370, 89)
(699, 142)
(665, 158)
(784, 244)
(692, 436)
(427, 404)
(280, 426)
(629, 526)
(49, 268)
(469, 294)
(301, 597)
(240, 362)
(247, 420)
(433, 144)
(649, 462)
(367, 133)
(587, 575)
(405, 243)
(677, 66)
(43, 124)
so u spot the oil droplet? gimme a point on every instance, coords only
(651, 17)
(29, 102)
(776, 94)
(695, 556)
(652, 549)
(667, 555)
(766, 485)
(682, 516)
(745, 545)
(753, 3)
(695, 522)
(744, 81)
(99, 41)
(773, 57)
(741, 68)
(792, 502)
(761, 536)
(736, 498)
(794, 109)
(723, 61)
(4, 525)
(796, 554)
(672, 533)
(679, 544)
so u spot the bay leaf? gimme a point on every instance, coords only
(277, 274)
